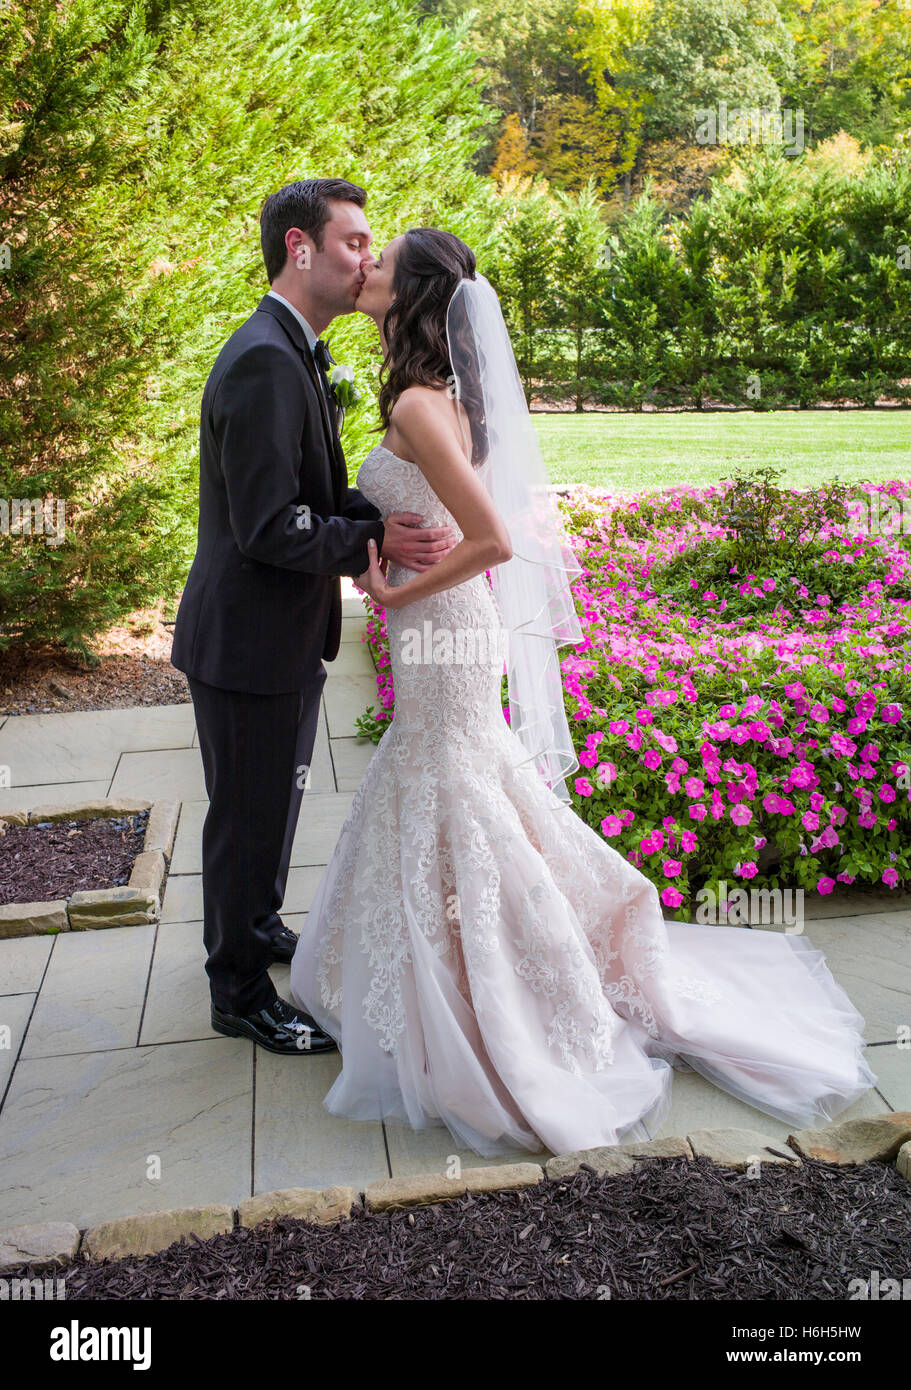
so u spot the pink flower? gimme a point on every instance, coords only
(697, 812)
(671, 868)
(588, 757)
(741, 815)
(825, 885)
(611, 825)
(652, 759)
(606, 773)
(809, 820)
(890, 714)
(748, 870)
(694, 786)
(688, 841)
(886, 793)
(671, 896)
(583, 787)
(890, 877)
(618, 726)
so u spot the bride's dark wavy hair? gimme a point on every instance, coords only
(428, 267)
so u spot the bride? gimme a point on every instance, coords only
(482, 957)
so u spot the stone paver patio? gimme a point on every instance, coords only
(118, 1098)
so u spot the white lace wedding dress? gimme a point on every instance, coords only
(485, 959)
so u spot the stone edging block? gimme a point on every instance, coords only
(389, 1193)
(41, 1245)
(856, 1141)
(154, 1231)
(305, 1203)
(33, 919)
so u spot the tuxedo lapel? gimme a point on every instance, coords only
(340, 471)
(291, 326)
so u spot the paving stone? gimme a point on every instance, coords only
(433, 1150)
(85, 745)
(93, 992)
(353, 659)
(297, 1142)
(81, 1136)
(33, 919)
(304, 1203)
(183, 894)
(155, 1230)
(739, 1148)
(875, 1137)
(42, 1245)
(870, 957)
(349, 697)
(167, 773)
(352, 629)
(15, 1012)
(318, 827)
(350, 757)
(20, 798)
(891, 1063)
(23, 962)
(418, 1189)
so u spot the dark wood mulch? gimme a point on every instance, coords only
(54, 859)
(673, 1229)
(133, 669)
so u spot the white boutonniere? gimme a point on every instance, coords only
(344, 391)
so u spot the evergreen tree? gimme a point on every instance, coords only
(139, 140)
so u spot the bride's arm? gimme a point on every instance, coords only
(430, 444)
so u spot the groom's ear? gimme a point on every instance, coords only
(300, 248)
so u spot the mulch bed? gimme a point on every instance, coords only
(134, 669)
(674, 1229)
(54, 859)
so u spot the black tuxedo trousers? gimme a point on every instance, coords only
(256, 752)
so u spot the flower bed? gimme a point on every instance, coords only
(753, 727)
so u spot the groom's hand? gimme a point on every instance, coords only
(406, 542)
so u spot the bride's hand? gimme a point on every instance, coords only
(373, 580)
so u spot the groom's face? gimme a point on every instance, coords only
(338, 269)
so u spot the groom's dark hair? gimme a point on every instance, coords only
(304, 204)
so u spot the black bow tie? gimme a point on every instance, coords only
(321, 353)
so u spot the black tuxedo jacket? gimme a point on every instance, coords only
(278, 523)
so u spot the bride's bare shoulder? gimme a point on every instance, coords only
(419, 404)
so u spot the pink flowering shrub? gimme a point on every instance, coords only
(762, 744)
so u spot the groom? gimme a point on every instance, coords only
(261, 610)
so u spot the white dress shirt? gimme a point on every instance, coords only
(311, 338)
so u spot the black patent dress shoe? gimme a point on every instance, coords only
(284, 943)
(279, 1027)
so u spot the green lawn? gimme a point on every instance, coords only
(630, 450)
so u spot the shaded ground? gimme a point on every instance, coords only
(135, 670)
(675, 1229)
